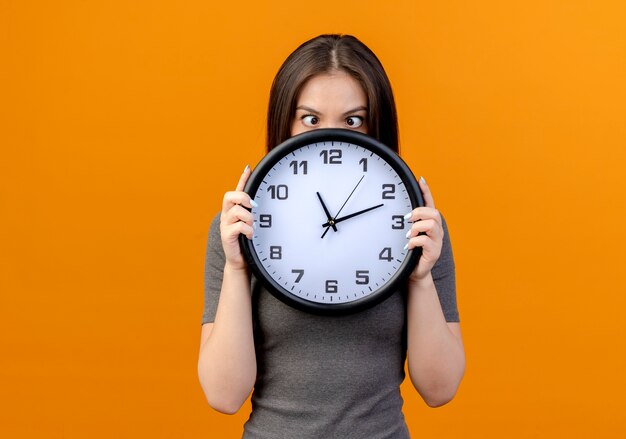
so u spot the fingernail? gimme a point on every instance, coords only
(253, 203)
(422, 180)
(253, 225)
(406, 246)
(408, 233)
(246, 168)
(408, 215)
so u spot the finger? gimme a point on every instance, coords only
(244, 178)
(233, 231)
(423, 213)
(233, 198)
(431, 227)
(430, 249)
(237, 213)
(418, 241)
(428, 197)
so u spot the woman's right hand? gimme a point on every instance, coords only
(235, 220)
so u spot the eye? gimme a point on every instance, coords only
(310, 120)
(354, 121)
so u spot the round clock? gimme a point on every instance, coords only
(330, 226)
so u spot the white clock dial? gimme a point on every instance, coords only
(330, 226)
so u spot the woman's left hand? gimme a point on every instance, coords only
(426, 220)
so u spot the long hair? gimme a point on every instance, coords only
(323, 54)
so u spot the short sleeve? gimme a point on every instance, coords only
(213, 271)
(445, 278)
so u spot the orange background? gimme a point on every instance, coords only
(122, 124)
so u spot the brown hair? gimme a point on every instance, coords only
(323, 54)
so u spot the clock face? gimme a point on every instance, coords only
(330, 230)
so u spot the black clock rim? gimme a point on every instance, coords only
(317, 136)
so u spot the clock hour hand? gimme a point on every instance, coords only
(329, 217)
(331, 221)
(352, 215)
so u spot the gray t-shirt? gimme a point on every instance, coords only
(327, 377)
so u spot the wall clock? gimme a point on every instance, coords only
(330, 227)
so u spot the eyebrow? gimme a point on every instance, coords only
(312, 110)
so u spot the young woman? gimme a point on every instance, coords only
(315, 376)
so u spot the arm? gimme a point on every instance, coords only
(435, 348)
(227, 362)
(436, 357)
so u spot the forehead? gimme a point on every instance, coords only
(332, 88)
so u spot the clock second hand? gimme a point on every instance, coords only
(331, 222)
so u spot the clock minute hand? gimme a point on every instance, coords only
(352, 215)
(329, 217)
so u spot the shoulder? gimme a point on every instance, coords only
(215, 223)
(214, 230)
(214, 250)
